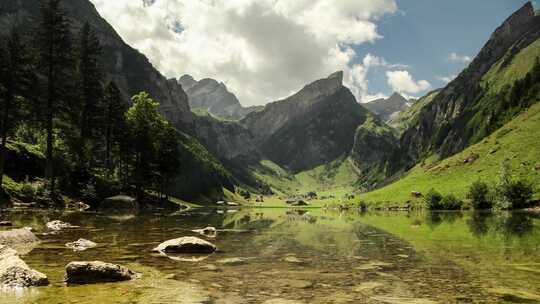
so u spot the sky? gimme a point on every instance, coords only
(265, 50)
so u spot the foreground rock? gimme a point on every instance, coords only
(81, 245)
(97, 272)
(22, 240)
(15, 273)
(5, 224)
(58, 225)
(186, 245)
(120, 203)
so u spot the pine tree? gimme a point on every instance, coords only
(167, 156)
(90, 86)
(16, 77)
(54, 50)
(114, 123)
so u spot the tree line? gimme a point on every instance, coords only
(54, 93)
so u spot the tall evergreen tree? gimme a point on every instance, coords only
(54, 49)
(15, 78)
(90, 82)
(114, 123)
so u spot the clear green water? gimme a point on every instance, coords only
(345, 257)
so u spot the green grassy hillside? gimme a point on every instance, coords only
(518, 141)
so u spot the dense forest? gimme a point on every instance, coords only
(94, 142)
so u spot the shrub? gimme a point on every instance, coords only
(433, 199)
(28, 191)
(514, 194)
(451, 202)
(479, 195)
(511, 193)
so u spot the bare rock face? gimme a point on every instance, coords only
(310, 128)
(186, 245)
(14, 273)
(96, 272)
(386, 108)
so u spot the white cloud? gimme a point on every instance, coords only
(402, 82)
(262, 49)
(455, 57)
(446, 79)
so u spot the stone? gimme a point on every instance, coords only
(22, 240)
(14, 273)
(6, 224)
(208, 232)
(232, 204)
(81, 245)
(58, 225)
(120, 203)
(232, 261)
(293, 260)
(186, 245)
(220, 203)
(210, 267)
(97, 272)
(368, 287)
(398, 300)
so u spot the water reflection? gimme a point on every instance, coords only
(313, 256)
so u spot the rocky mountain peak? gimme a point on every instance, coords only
(389, 107)
(187, 81)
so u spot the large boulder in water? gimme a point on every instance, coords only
(186, 245)
(81, 245)
(97, 272)
(120, 203)
(57, 225)
(22, 240)
(15, 273)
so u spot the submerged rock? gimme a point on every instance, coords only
(120, 203)
(281, 301)
(22, 240)
(59, 225)
(97, 272)
(15, 273)
(293, 260)
(81, 245)
(208, 232)
(186, 245)
(232, 261)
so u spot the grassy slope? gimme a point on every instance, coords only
(518, 141)
(334, 179)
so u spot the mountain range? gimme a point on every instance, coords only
(319, 137)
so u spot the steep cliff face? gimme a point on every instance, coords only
(214, 97)
(225, 139)
(130, 69)
(453, 119)
(310, 128)
(387, 108)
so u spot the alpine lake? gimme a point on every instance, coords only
(287, 256)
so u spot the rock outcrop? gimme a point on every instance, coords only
(310, 128)
(97, 272)
(387, 108)
(214, 97)
(14, 273)
(186, 245)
